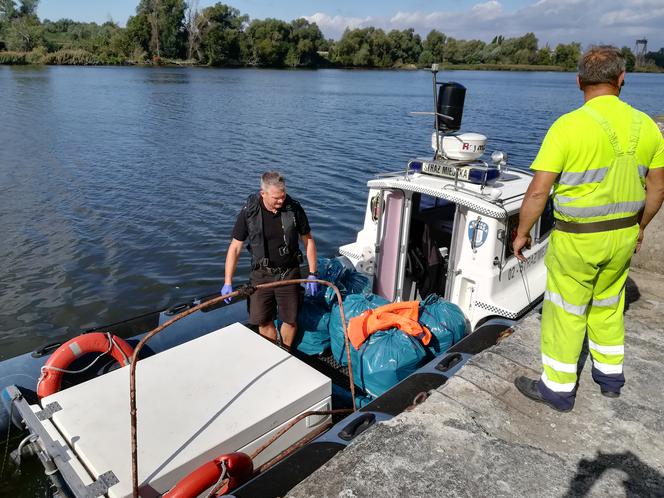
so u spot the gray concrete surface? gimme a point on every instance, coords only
(650, 257)
(478, 436)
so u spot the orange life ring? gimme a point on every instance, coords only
(239, 468)
(50, 380)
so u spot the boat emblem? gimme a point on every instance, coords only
(477, 233)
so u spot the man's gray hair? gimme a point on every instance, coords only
(272, 179)
(601, 64)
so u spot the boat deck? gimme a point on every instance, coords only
(478, 436)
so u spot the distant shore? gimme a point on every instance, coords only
(83, 58)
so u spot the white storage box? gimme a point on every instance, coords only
(227, 391)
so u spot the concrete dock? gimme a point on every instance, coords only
(477, 435)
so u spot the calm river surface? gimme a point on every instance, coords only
(119, 186)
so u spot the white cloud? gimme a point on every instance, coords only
(334, 26)
(487, 11)
(553, 21)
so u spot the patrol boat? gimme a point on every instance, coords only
(210, 392)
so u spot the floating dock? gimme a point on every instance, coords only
(477, 435)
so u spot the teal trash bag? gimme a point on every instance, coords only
(342, 398)
(444, 320)
(330, 297)
(331, 270)
(384, 359)
(313, 336)
(354, 305)
(355, 283)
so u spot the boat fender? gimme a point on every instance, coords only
(238, 468)
(56, 366)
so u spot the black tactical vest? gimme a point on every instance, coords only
(256, 239)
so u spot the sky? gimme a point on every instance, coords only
(615, 22)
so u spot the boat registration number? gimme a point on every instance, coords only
(446, 171)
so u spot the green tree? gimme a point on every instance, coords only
(163, 23)
(138, 33)
(433, 48)
(28, 8)
(7, 10)
(543, 56)
(268, 42)
(406, 46)
(221, 35)
(630, 58)
(305, 40)
(367, 47)
(24, 34)
(567, 55)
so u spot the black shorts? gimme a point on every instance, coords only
(264, 303)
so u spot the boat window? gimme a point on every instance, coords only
(546, 220)
(428, 202)
(512, 225)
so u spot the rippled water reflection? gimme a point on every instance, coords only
(119, 186)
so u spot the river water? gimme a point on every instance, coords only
(119, 186)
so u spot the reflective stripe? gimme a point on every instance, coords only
(573, 178)
(609, 301)
(558, 365)
(76, 349)
(605, 368)
(556, 386)
(606, 349)
(643, 170)
(558, 300)
(564, 199)
(607, 209)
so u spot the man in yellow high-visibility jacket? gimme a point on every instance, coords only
(605, 162)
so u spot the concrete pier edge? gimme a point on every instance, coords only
(478, 436)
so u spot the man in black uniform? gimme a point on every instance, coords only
(273, 223)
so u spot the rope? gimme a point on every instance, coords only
(111, 343)
(291, 424)
(9, 430)
(522, 271)
(211, 302)
(30, 438)
(220, 482)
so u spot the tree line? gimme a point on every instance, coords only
(164, 31)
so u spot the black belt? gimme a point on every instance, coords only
(596, 226)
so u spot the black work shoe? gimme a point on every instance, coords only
(610, 394)
(528, 387)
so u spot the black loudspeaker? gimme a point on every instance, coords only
(451, 96)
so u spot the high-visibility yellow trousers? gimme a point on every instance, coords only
(585, 291)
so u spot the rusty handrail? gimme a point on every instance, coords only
(218, 299)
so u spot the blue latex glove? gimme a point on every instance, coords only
(227, 289)
(311, 288)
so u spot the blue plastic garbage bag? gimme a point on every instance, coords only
(446, 322)
(331, 270)
(354, 305)
(355, 283)
(313, 336)
(384, 359)
(342, 398)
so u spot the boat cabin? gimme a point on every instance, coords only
(428, 230)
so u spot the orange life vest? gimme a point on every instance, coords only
(403, 315)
